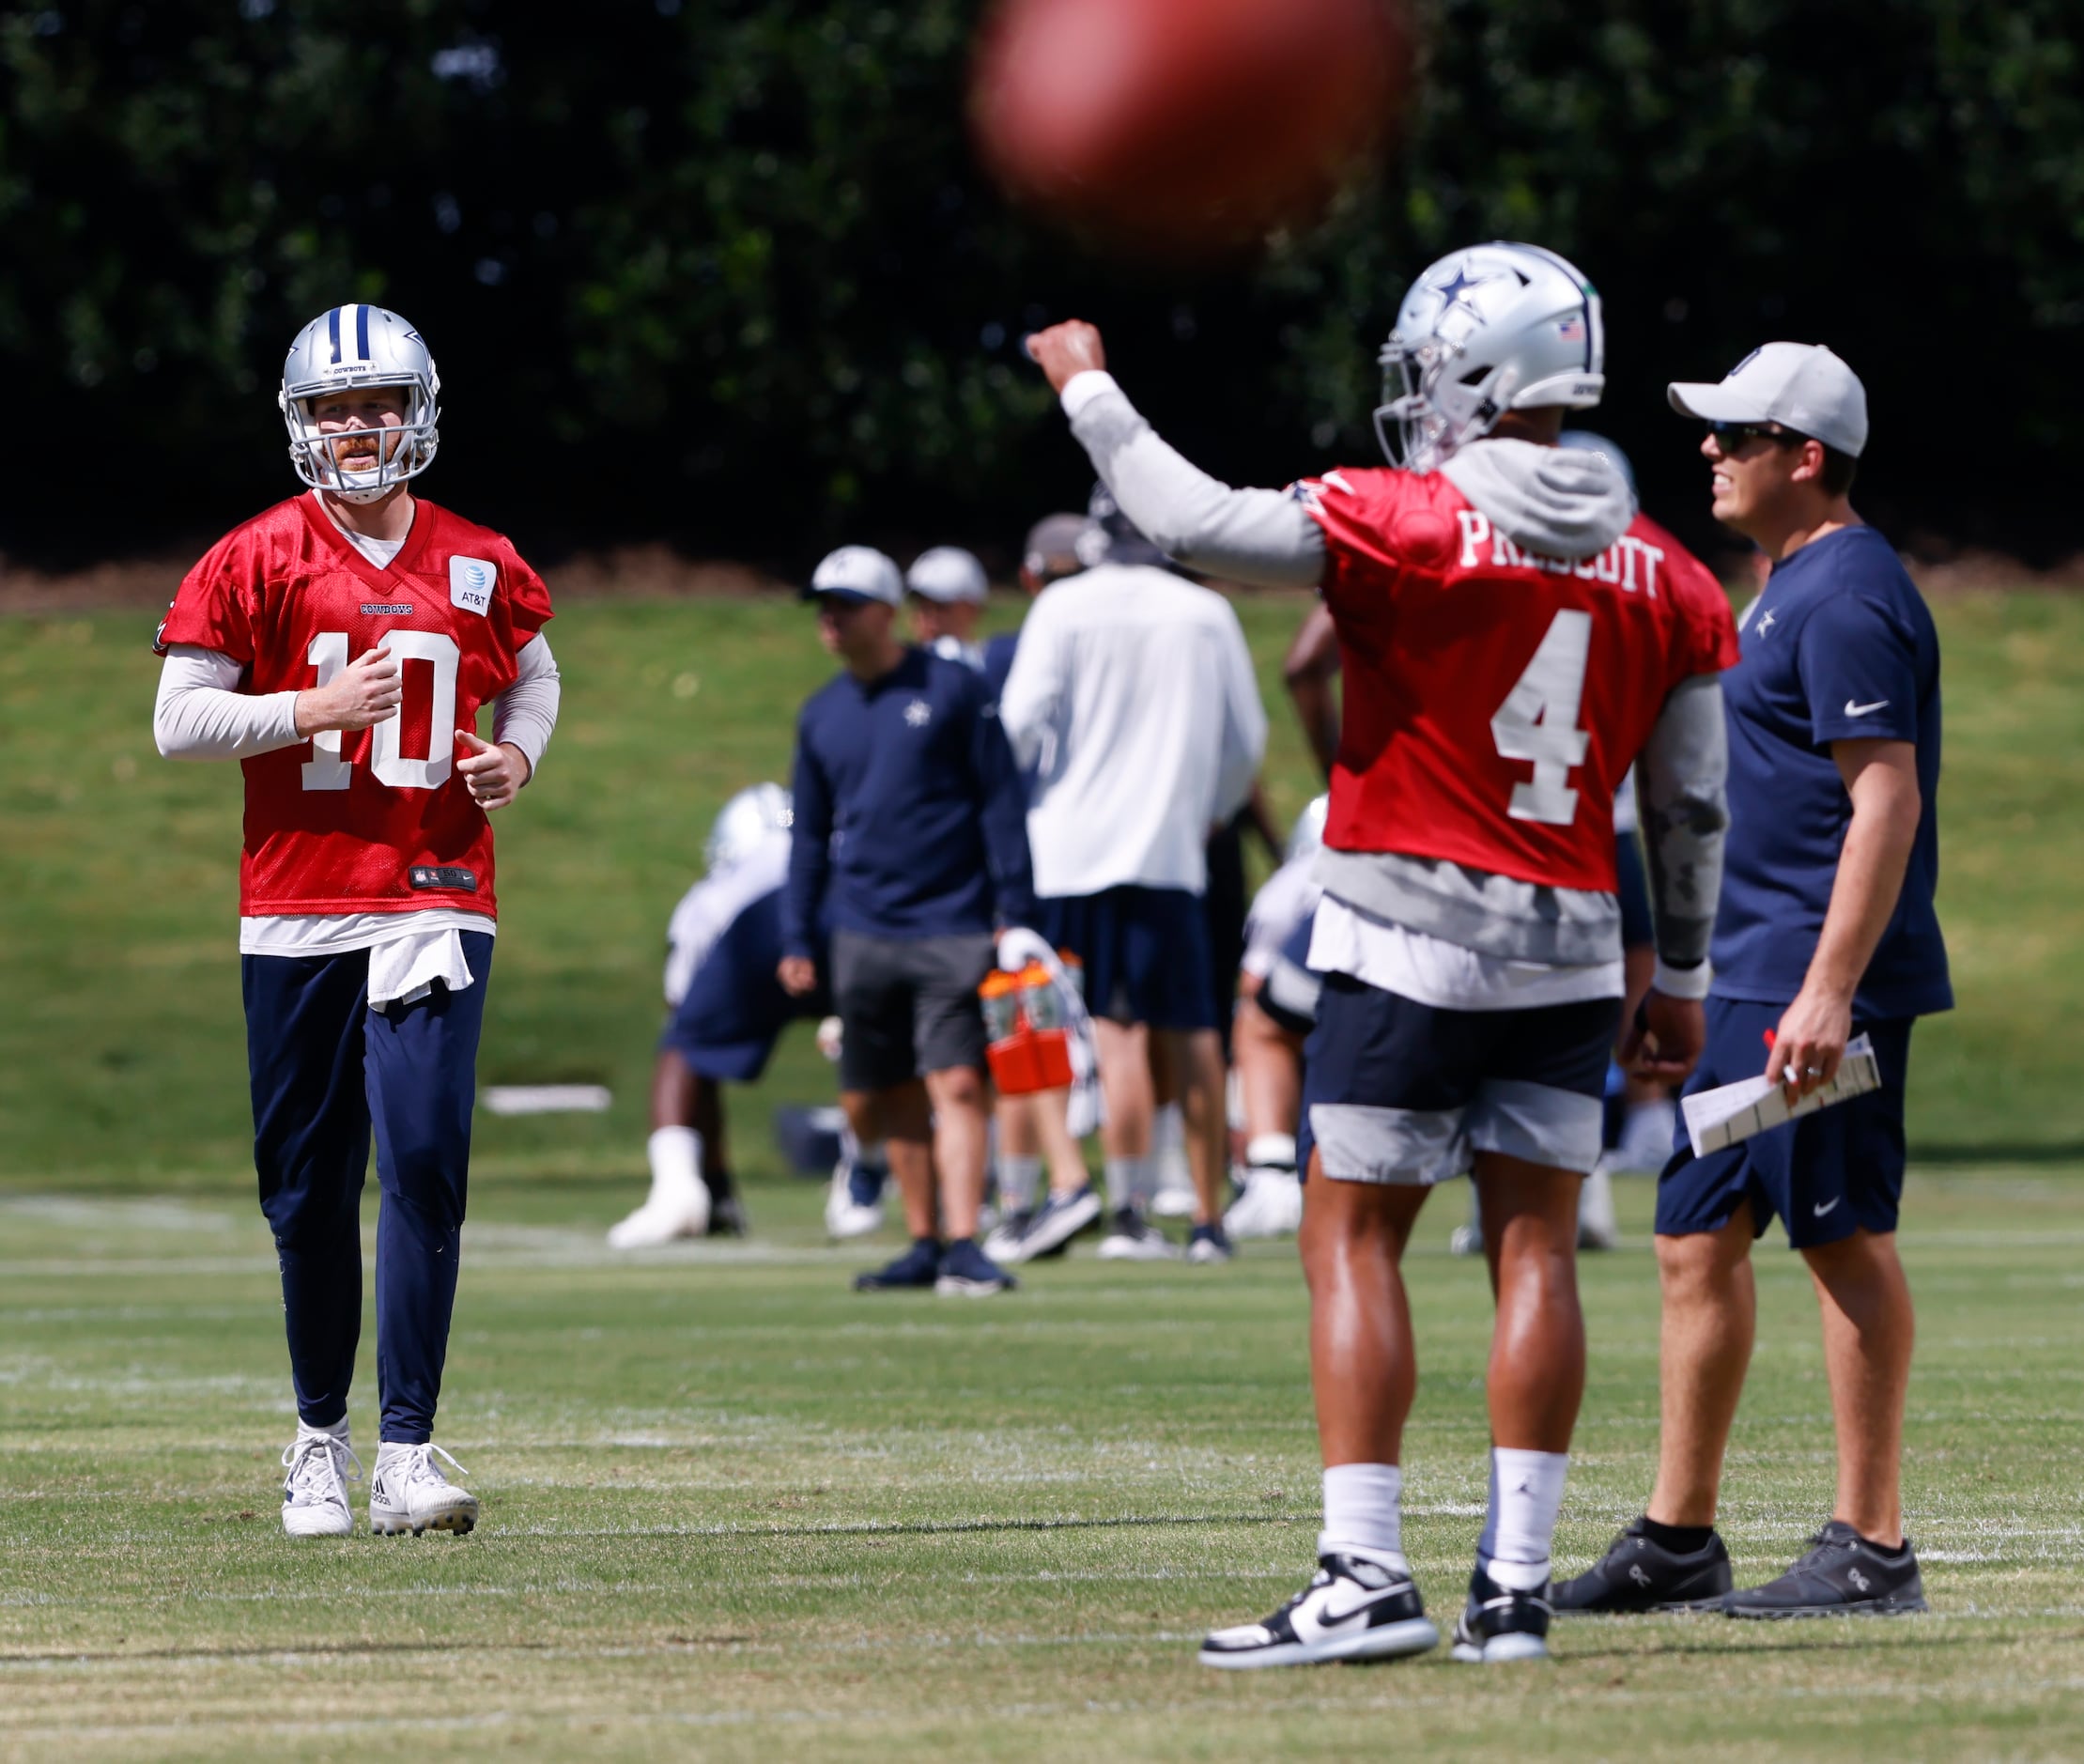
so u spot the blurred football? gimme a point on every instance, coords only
(1184, 126)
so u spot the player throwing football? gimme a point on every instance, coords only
(1513, 634)
(340, 646)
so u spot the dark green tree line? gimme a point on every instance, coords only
(724, 270)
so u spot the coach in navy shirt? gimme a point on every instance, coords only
(911, 835)
(1826, 931)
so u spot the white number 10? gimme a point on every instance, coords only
(1539, 721)
(326, 770)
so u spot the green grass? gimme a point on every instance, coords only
(121, 1049)
(733, 1511)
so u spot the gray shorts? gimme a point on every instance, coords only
(908, 1005)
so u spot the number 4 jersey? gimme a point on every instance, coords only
(1495, 698)
(377, 821)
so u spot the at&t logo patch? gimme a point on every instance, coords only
(471, 580)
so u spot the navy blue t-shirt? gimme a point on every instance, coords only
(1840, 646)
(910, 818)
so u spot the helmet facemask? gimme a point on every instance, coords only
(1435, 412)
(402, 453)
(1487, 330)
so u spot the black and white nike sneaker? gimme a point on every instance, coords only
(1501, 1624)
(1638, 1573)
(1352, 1609)
(1843, 1575)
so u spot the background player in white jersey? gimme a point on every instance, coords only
(340, 646)
(1513, 633)
(1276, 1006)
(722, 947)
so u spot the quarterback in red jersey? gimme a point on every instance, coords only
(341, 646)
(1513, 634)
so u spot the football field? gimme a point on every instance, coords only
(732, 1510)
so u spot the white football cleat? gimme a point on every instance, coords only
(676, 1213)
(409, 1493)
(314, 1492)
(1270, 1205)
(847, 1216)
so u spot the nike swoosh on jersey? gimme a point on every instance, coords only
(1863, 710)
(1821, 1209)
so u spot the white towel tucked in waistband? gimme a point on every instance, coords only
(404, 969)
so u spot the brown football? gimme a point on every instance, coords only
(1185, 126)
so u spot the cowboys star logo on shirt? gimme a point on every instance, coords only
(918, 713)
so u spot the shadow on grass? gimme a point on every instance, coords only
(2069, 1152)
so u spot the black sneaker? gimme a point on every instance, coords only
(1843, 1575)
(1352, 1609)
(1045, 1230)
(1208, 1245)
(967, 1272)
(919, 1266)
(1638, 1573)
(1499, 1624)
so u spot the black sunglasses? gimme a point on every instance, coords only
(1729, 437)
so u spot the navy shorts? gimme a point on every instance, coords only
(734, 1008)
(1632, 889)
(1399, 1091)
(1146, 954)
(1825, 1175)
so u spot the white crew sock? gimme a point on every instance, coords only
(1128, 1180)
(1018, 1179)
(1362, 1514)
(676, 1155)
(1526, 1492)
(337, 1431)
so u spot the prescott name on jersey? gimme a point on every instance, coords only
(1497, 697)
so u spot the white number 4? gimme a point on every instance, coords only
(1539, 721)
(326, 770)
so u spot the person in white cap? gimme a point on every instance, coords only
(1826, 931)
(947, 591)
(909, 837)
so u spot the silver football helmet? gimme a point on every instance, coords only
(358, 346)
(1495, 328)
(754, 814)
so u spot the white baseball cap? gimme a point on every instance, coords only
(860, 572)
(947, 573)
(1801, 386)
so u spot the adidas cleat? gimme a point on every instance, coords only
(409, 1493)
(314, 1491)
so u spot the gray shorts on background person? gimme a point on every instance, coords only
(908, 1005)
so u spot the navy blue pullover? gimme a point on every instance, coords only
(910, 817)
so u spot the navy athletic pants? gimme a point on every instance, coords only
(326, 1069)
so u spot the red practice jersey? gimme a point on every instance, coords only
(1495, 698)
(379, 821)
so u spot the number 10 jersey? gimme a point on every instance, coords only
(376, 821)
(1494, 698)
